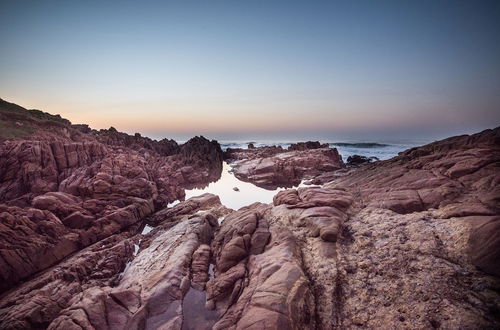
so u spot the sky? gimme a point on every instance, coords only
(236, 70)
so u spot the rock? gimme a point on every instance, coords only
(484, 245)
(411, 242)
(307, 145)
(38, 302)
(32, 240)
(379, 245)
(271, 167)
(289, 196)
(266, 289)
(92, 286)
(77, 220)
(277, 294)
(357, 160)
(69, 187)
(418, 220)
(151, 291)
(400, 201)
(200, 265)
(322, 210)
(190, 206)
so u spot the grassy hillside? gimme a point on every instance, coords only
(17, 122)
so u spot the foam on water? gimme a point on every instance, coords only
(382, 151)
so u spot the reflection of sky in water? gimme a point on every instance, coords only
(146, 229)
(247, 195)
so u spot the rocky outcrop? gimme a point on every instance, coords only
(151, 291)
(63, 188)
(307, 145)
(357, 160)
(36, 303)
(116, 282)
(322, 210)
(194, 204)
(271, 167)
(410, 242)
(419, 225)
(404, 243)
(259, 282)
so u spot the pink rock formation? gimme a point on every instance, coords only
(258, 284)
(151, 291)
(62, 190)
(91, 287)
(411, 242)
(408, 243)
(271, 167)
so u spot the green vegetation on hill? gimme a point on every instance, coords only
(17, 122)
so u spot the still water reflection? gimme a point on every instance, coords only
(247, 194)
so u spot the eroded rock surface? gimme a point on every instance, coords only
(271, 167)
(117, 282)
(62, 190)
(152, 288)
(259, 282)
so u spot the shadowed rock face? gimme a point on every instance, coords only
(272, 167)
(357, 160)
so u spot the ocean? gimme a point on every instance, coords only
(382, 151)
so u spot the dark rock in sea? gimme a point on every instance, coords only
(357, 160)
(307, 145)
(359, 144)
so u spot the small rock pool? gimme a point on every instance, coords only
(224, 187)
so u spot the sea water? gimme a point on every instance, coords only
(382, 151)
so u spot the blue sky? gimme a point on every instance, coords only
(234, 69)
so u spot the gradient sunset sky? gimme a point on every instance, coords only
(257, 69)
